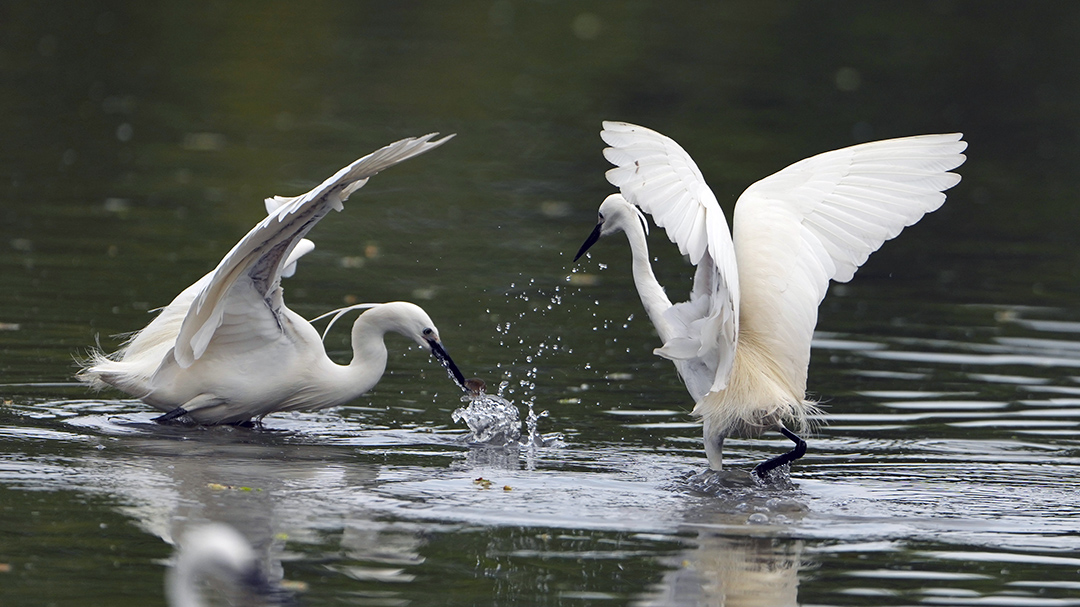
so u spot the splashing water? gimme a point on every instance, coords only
(537, 302)
(494, 420)
(536, 439)
(491, 418)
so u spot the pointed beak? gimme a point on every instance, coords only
(256, 585)
(445, 360)
(590, 241)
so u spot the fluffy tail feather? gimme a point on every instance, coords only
(131, 366)
(100, 370)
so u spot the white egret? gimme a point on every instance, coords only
(227, 349)
(742, 342)
(217, 556)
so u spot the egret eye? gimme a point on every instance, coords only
(600, 216)
(427, 332)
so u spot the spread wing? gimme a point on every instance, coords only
(249, 276)
(656, 174)
(819, 219)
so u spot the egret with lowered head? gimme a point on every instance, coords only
(227, 349)
(741, 343)
(215, 558)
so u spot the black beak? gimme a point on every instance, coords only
(590, 241)
(258, 586)
(446, 361)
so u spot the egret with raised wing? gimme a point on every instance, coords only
(227, 349)
(741, 343)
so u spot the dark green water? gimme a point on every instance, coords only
(137, 142)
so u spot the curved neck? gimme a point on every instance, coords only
(652, 294)
(369, 354)
(181, 586)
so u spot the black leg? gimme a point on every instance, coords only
(171, 415)
(762, 469)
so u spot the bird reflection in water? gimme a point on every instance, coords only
(731, 571)
(215, 560)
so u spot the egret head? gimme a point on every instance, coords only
(217, 556)
(413, 322)
(615, 214)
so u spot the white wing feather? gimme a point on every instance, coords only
(819, 219)
(303, 247)
(656, 174)
(259, 260)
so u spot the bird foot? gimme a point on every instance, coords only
(171, 415)
(762, 470)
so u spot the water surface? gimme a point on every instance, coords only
(138, 142)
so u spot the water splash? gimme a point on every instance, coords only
(491, 418)
(494, 420)
(531, 422)
(539, 302)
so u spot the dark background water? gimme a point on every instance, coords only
(137, 141)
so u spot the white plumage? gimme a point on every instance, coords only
(227, 349)
(741, 343)
(216, 558)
